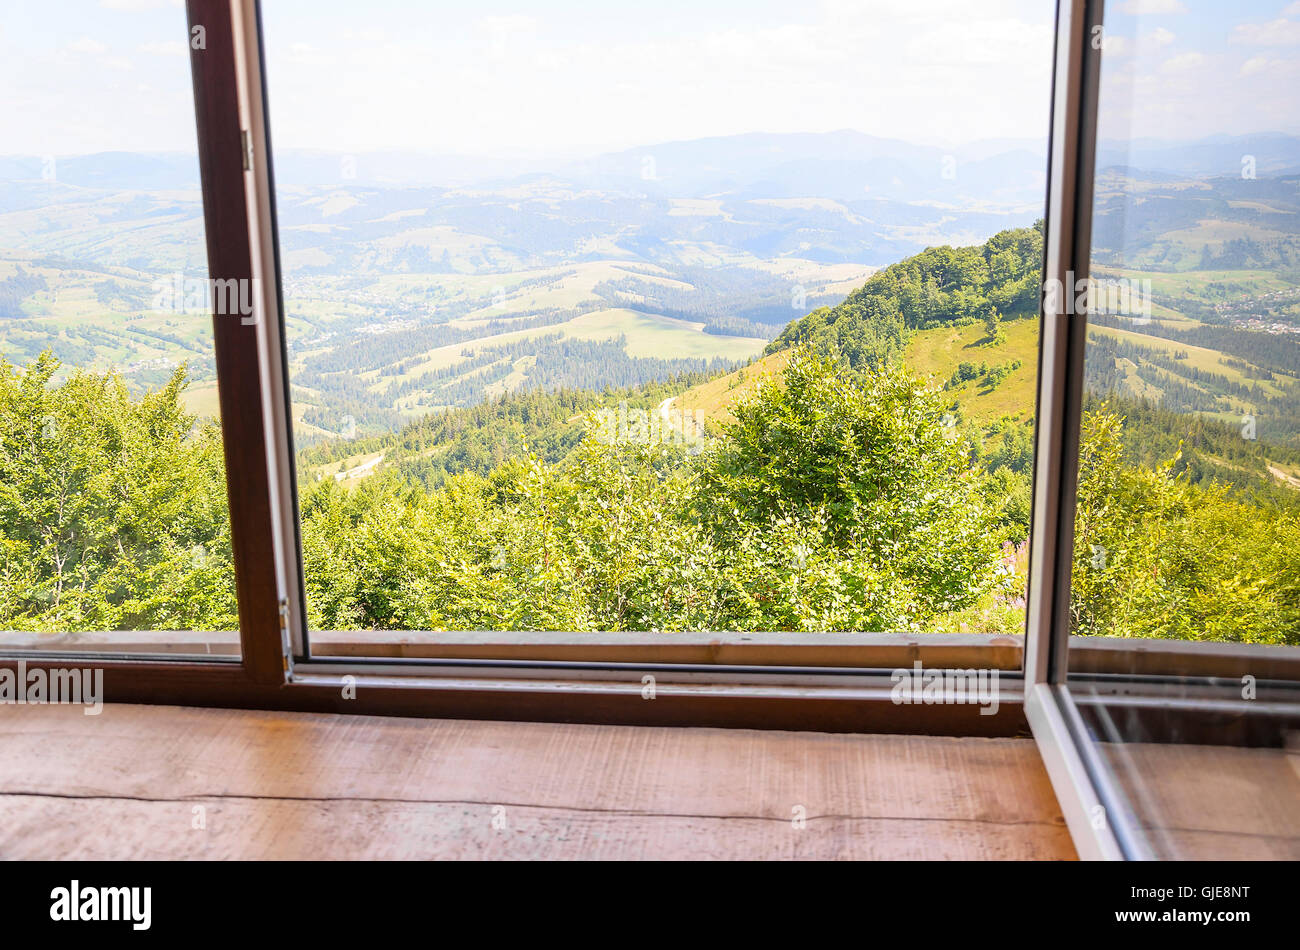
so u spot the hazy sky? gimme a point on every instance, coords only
(1182, 69)
(576, 76)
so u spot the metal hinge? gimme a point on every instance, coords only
(246, 146)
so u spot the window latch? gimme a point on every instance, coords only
(286, 648)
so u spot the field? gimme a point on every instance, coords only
(937, 353)
(713, 400)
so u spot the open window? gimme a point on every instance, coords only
(819, 431)
(562, 394)
(116, 530)
(1165, 693)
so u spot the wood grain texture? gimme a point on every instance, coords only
(124, 785)
(1203, 802)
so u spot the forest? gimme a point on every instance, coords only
(838, 495)
(837, 499)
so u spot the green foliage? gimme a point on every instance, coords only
(963, 373)
(1205, 452)
(941, 285)
(867, 461)
(112, 509)
(481, 438)
(1157, 556)
(886, 529)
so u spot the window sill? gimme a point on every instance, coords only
(1088, 655)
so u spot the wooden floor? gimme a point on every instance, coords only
(135, 782)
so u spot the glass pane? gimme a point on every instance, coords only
(718, 319)
(113, 516)
(1207, 784)
(1189, 511)
(1188, 519)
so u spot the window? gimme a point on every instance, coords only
(1183, 329)
(1188, 514)
(114, 526)
(568, 379)
(525, 408)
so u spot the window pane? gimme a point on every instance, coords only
(1188, 520)
(113, 517)
(723, 318)
(1189, 510)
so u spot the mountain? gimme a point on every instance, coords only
(846, 165)
(1215, 156)
(420, 284)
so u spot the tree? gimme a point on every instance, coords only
(866, 460)
(112, 508)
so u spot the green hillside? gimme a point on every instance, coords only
(871, 471)
(940, 287)
(964, 320)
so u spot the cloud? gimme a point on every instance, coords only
(87, 45)
(1255, 65)
(1159, 37)
(1281, 32)
(1276, 69)
(1151, 7)
(1114, 46)
(1183, 61)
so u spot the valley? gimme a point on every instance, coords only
(413, 290)
(765, 394)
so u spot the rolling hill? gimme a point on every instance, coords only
(932, 311)
(418, 286)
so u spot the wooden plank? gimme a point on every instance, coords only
(124, 830)
(1212, 802)
(288, 785)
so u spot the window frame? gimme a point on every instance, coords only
(1169, 686)
(785, 690)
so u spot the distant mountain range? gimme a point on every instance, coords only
(845, 165)
(1274, 153)
(414, 283)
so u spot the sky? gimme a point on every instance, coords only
(1177, 69)
(577, 77)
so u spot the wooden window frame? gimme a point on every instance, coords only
(785, 688)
